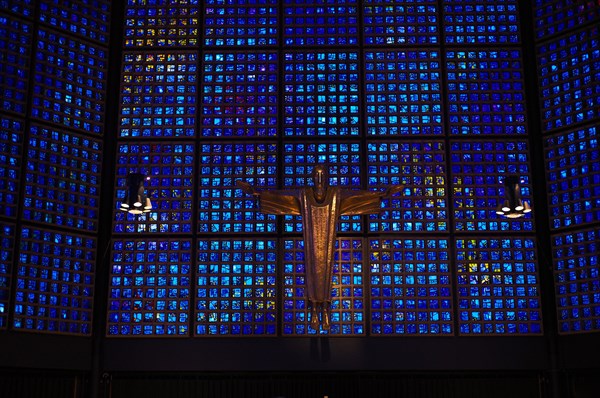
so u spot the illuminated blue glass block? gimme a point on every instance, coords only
(400, 22)
(498, 286)
(486, 92)
(170, 168)
(158, 95)
(410, 280)
(55, 282)
(576, 277)
(62, 180)
(478, 169)
(313, 22)
(87, 18)
(11, 141)
(161, 23)
(157, 280)
(570, 79)
(253, 23)
(403, 93)
(15, 42)
(69, 83)
(321, 94)
(239, 94)
(573, 177)
(556, 16)
(420, 169)
(223, 207)
(236, 287)
(22, 7)
(476, 22)
(7, 244)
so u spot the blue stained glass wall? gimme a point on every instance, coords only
(53, 81)
(568, 58)
(216, 92)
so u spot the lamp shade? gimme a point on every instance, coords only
(513, 206)
(136, 201)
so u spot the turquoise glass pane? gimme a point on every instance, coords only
(54, 282)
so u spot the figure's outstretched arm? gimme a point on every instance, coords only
(273, 201)
(366, 202)
(247, 188)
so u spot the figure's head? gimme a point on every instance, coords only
(320, 179)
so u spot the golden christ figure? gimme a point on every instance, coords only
(320, 207)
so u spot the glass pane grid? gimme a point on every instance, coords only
(86, 18)
(55, 283)
(225, 208)
(15, 49)
(21, 7)
(236, 288)
(161, 23)
(486, 93)
(573, 177)
(321, 94)
(170, 187)
(7, 245)
(252, 23)
(478, 169)
(411, 288)
(498, 287)
(481, 22)
(69, 86)
(316, 22)
(400, 22)
(577, 281)
(348, 298)
(556, 16)
(343, 160)
(239, 94)
(569, 79)
(420, 168)
(158, 95)
(149, 291)
(403, 93)
(62, 179)
(11, 144)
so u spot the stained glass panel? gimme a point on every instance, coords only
(158, 95)
(411, 288)
(393, 22)
(569, 79)
(252, 23)
(55, 282)
(239, 94)
(481, 22)
(161, 23)
(236, 289)
(225, 208)
(573, 177)
(478, 172)
(15, 49)
(11, 142)
(316, 22)
(421, 169)
(556, 16)
(577, 280)
(486, 94)
(7, 245)
(22, 7)
(87, 18)
(403, 93)
(170, 187)
(321, 94)
(62, 179)
(348, 297)
(498, 287)
(69, 84)
(149, 288)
